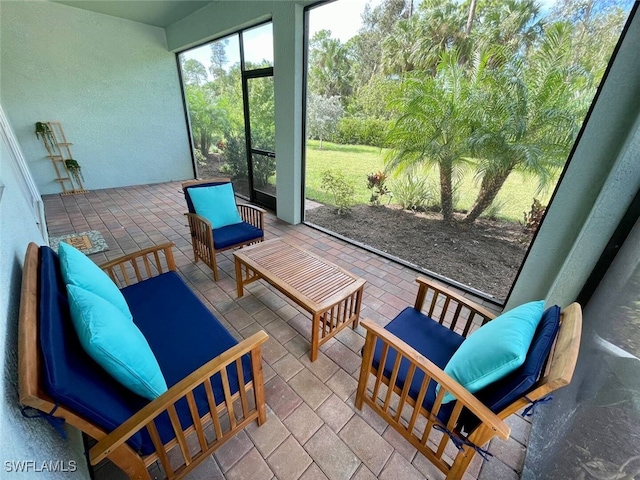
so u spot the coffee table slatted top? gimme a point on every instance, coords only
(314, 281)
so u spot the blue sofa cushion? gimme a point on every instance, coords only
(71, 377)
(115, 343)
(234, 234)
(181, 331)
(428, 337)
(183, 335)
(502, 393)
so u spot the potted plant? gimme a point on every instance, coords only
(74, 170)
(43, 131)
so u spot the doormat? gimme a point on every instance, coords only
(87, 242)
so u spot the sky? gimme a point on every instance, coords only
(342, 17)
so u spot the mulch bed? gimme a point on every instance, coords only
(485, 256)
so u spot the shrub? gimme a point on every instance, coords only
(376, 183)
(533, 218)
(343, 192)
(413, 192)
(361, 131)
(200, 158)
(235, 158)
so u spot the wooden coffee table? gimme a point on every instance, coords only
(329, 293)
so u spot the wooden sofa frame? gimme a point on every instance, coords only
(202, 238)
(226, 418)
(421, 427)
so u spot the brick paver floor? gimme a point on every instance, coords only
(313, 429)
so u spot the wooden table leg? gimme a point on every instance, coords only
(239, 285)
(315, 340)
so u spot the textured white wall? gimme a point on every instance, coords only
(22, 439)
(112, 84)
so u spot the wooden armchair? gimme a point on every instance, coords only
(399, 382)
(207, 241)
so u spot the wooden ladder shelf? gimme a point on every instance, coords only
(59, 150)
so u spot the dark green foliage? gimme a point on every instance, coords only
(362, 131)
(235, 158)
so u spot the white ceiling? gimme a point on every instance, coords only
(159, 13)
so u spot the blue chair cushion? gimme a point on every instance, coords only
(181, 331)
(217, 204)
(184, 335)
(496, 349)
(187, 190)
(438, 344)
(504, 392)
(235, 234)
(432, 340)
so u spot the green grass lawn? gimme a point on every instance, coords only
(357, 161)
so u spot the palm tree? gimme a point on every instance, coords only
(433, 128)
(529, 117)
(329, 67)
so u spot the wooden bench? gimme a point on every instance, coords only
(329, 293)
(220, 394)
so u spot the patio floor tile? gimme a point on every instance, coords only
(399, 468)
(332, 455)
(290, 460)
(303, 423)
(310, 388)
(335, 413)
(251, 466)
(367, 444)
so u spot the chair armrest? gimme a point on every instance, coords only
(252, 215)
(199, 226)
(420, 362)
(184, 389)
(457, 312)
(140, 265)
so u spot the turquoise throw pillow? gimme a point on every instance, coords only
(216, 203)
(496, 349)
(115, 343)
(77, 269)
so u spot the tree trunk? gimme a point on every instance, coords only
(446, 191)
(472, 15)
(204, 142)
(489, 188)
